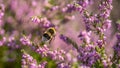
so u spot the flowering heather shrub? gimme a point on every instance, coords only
(87, 34)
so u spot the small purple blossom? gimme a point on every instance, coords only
(26, 40)
(41, 21)
(69, 8)
(83, 3)
(85, 36)
(54, 8)
(107, 24)
(99, 43)
(35, 19)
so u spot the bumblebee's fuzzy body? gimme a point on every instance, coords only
(48, 34)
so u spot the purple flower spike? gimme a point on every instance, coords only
(25, 41)
(64, 38)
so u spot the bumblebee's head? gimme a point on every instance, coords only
(51, 30)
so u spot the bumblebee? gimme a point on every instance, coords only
(48, 35)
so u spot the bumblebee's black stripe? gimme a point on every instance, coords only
(46, 36)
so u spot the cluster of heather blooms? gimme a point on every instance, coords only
(29, 62)
(54, 8)
(42, 21)
(78, 5)
(69, 8)
(88, 55)
(99, 24)
(12, 43)
(26, 40)
(55, 55)
(44, 51)
(93, 52)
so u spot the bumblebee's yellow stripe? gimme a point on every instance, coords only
(52, 28)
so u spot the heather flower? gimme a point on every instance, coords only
(35, 19)
(42, 21)
(85, 36)
(105, 8)
(97, 23)
(107, 24)
(64, 38)
(25, 41)
(63, 65)
(28, 61)
(42, 65)
(46, 52)
(54, 8)
(69, 8)
(45, 22)
(88, 55)
(81, 5)
(99, 43)
(12, 43)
